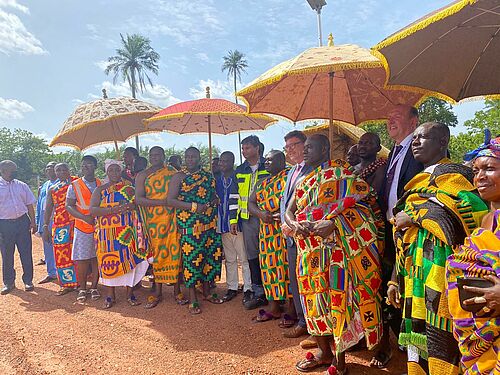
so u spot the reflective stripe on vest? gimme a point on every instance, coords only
(244, 188)
(83, 195)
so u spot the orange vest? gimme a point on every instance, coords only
(83, 196)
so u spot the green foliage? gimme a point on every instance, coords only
(434, 109)
(235, 64)
(30, 152)
(132, 61)
(487, 118)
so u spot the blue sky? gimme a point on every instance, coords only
(52, 52)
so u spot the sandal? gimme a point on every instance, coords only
(194, 308)
(213, 299)
(132, 301)
(153, 301)
(332, 370)
(82, 296)
(109, 302)
(380, 360)
(311, 363)
(64, 290)
(287, 322)
(181, 300)
(264, 316)
(94, 294)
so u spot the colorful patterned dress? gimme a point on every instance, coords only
(161, 226)
(273, 256)
(62, 235)
(339, 276)
(443, 204)
(200, 243)
(478, 337)
(121, 250)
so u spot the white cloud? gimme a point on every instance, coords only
(203, 57)
(158, 94)
(185, 21)
(102, 64)
(14, 37)
(12, 109)
(218, 89)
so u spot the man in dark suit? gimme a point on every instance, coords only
(401, 167)
(294, 147)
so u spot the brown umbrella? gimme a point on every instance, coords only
(104, 121)
(452, 53)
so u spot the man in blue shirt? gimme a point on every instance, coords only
(48, 251)
(232, 238)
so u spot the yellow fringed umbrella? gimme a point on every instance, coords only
(452, 53)
(344, 83)
(104, 121)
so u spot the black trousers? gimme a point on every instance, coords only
(16, 233)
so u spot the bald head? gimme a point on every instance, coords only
(316, 150)
(369, 146)
(275, 162)
(8, 170)
(430, 143)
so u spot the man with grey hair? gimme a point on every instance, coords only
(17, 219)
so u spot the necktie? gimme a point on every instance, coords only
(391, 172)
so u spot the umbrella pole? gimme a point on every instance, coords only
(330, 110)
(137, 142)
(117, 150)
(209, 143)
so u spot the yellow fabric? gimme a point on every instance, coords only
(161, 225)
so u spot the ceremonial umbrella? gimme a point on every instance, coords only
(452, 53)
(218, 116)
(104, 121)
(343, 83)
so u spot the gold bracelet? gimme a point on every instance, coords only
(393, 283)
(194, 206)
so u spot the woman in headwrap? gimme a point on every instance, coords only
(121, 247)
(478, 333)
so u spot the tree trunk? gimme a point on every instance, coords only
(239, 133)
(132, 73)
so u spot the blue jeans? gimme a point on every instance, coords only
(16, 233)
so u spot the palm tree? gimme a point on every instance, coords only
(132, 62)
(235, 64)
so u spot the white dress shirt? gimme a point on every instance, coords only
(398, 160)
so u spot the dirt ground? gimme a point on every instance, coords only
(41, 333)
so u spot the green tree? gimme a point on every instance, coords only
(434, 109)
(132, 62)
(235, 64)
(30, 152)
(487, 118)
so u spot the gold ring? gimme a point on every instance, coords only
(486, 309)
(479, 300)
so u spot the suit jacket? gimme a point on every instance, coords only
(409, 169)
(288, 194)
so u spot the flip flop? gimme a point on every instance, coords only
(108, 303)
(213, 299)
(194, 308)
(132, 301)
(264, 316)
(153, 301)
(311, 363)
(181, 300)
(287, 322)
(381, 357)
(82, 296)
(94, 294)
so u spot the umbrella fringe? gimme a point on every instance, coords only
(178, 115)
(311, 70)
(78, 127)
(419, 25)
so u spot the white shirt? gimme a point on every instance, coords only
(15, 196)
(393, 190)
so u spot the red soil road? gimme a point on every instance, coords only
(41, 333)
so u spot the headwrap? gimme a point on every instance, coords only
(109, 162)
(490, 147)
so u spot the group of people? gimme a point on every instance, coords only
(342, 251)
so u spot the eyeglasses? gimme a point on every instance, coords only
(291, 146)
